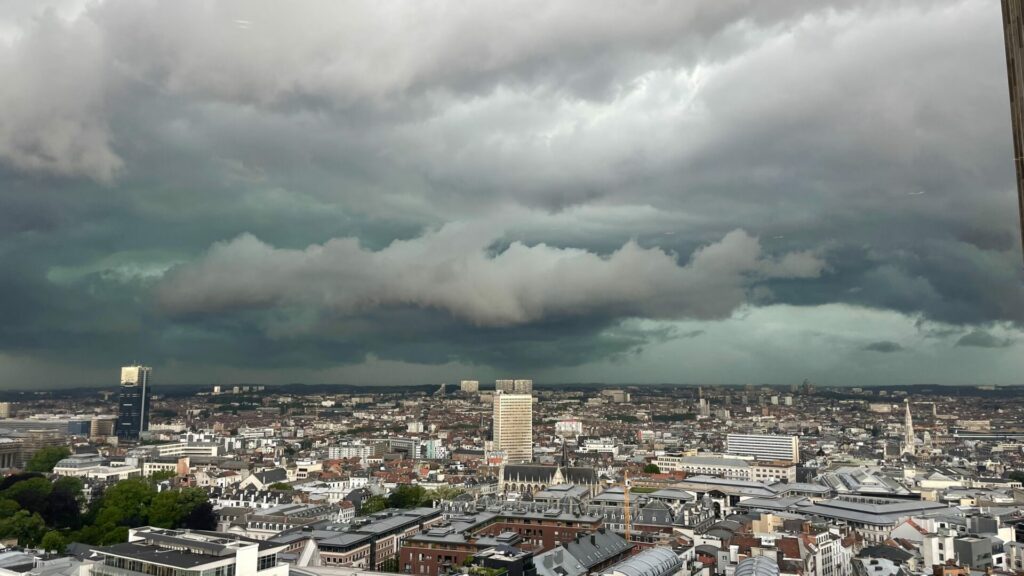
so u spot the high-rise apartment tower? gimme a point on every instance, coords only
(514, 386)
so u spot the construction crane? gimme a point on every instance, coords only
(626, 517)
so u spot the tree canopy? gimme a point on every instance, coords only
(36, 511)
(373, 504)
(46, 458)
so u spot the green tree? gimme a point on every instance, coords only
(8, 508)
(164, 511)
(201, 517)
(13, 479)
(1016, 475)
(281, 486)
(114, 535)
(55, 541)
(31, 495)
(440, 493)
(373, 504)
(64, 507)
(407, 496)
(180, 508)
(27, 527)
(46, 458)
(161, 475)
(652, 468)
(126, 503)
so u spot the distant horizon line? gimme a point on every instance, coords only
(548, 385)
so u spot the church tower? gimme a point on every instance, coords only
(908, 430)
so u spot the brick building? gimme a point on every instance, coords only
(452, 542)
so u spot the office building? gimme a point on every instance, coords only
(1013, 37)
(571, 428)
(66, 426)
(10, 453)
(33, 441)
(737, 468)
(764, 446)
(133, 406)
(152, 550)
(371, 542)
(513, 426)
(514, 386)
(469, 386)
(5, 409)
(101, 427)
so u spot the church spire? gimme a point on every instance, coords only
(908, 430)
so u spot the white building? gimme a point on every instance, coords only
(95, 467)
(764, 446)
(601, 446)
(152, 550)
(732, 468)
(469, 386)
(571, 428)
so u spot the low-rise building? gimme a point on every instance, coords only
(152, 550)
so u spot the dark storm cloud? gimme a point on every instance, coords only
(499, 184)
(983, 339)
(883, 346)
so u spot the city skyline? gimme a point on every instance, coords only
(490, 288)
(704, 192)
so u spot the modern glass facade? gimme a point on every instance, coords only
(133, 404)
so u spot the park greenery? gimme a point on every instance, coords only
(407, 496)
(38, 512)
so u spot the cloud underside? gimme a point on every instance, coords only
(452, 270)
(984, 339)
(257, 188)
(884, 346)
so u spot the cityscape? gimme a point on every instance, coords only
(582, 288)
(488, 478)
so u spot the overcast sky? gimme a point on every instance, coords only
(720, 191)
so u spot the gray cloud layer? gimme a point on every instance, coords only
(451, 270)
(494, 184)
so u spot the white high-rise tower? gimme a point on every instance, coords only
(513, 426)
